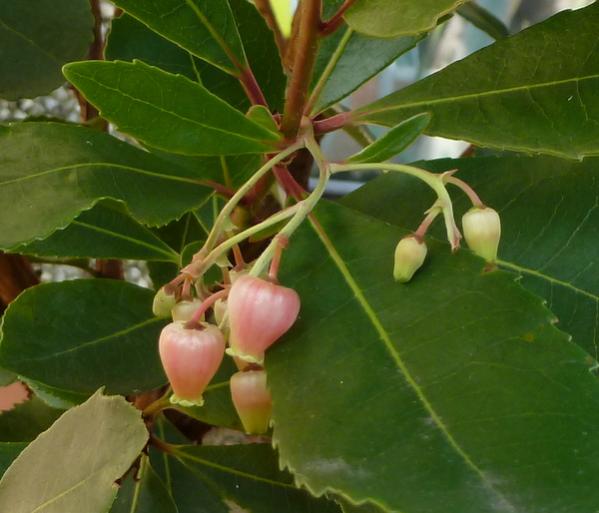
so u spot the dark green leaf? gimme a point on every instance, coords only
(55, 397)
(167, 111)
(146, 493)
(8, 452)
(483, 20)
(26, 420)
(205, 28)
(247, 477)
(464, 395)
(82, 334)
(533, 92)
(348, 507)
(550, 226)
(7, 377)
(72, 466)
(105, 231)
(394, 141)
(390, 18)
(69, 168)
(36, 38)
(262, 52)
(347, 59)
(130, 39)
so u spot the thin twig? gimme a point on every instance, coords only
(265, 9)
(335, 21)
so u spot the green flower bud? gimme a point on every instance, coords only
(162, 304)
(482, 230)
(409, 257)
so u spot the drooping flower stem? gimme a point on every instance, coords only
(304, 208)
(469, 191)
(434, 181)
(218, 227)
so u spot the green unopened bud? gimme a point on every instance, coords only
(184, 310)
(162, 304)
(482, 231)
(409, 257)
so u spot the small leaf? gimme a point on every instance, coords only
(246, 477)
(484, 20)
(390, 18)
(55, 397)
(26, 420)
(36, 38)
(72, 466)
(146, 493)
(199, 123)
(347, 59)
(470, 399)
(205, 28)
(8, 452)
(394, 141)
(533, 92)
(261, 115)
(69, 168)
(82, 334)
(105, 231)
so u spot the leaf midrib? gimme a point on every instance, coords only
(366, 112)
(101, 164)
(385, 338)
(184, 118)
(31, 42)
(116, 334)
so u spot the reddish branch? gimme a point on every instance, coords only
(304, 55)
(16, 274)
(335, 21)
(333, 123)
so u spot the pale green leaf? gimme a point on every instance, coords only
(72, 466)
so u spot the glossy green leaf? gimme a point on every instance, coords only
(348, 59)
(348, 507)
(533, 92)
(82, 334)
(550, 226)
(390, 18)
(26, 420)
(206, 28)
(484, 20)
(36, 38)
(72, 466)
(465, 395)
(105, 231)
(69, 168)
(144, 493)
(167, 111)
(262, 52)
(394, 141)
(55, 397)
(130, 39)
(238, 477)
(8, 452)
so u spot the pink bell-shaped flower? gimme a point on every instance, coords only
(190, 358)
(252, 400)
(260, 312)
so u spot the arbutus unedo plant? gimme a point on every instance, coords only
(359, 358)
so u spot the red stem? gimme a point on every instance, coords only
(333, 123)
(335, 21)
(265, 9)
(203, 308)
(251, 87)
(305, 48)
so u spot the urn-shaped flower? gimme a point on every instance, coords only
(260, 312)
(482, 231)
(190, 358)
(409, 257)
(252, 400)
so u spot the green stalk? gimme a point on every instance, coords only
(434, 181)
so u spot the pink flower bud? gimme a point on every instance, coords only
(252, 400)
(260, 312)
(482, 231)
(190, 358)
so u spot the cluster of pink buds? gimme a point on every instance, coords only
(258, 312)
